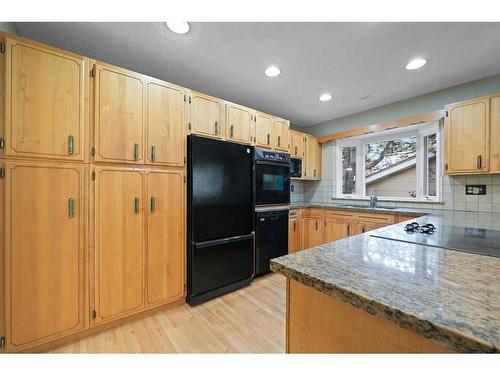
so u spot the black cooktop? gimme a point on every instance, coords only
(470, 240)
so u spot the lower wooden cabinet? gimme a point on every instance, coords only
(165, 236)
(336, 230)
(294, 231)
(312, 232)
(45, 263)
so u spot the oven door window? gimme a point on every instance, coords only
(272, 184)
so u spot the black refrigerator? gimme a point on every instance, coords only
(220, 218)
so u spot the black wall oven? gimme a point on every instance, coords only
(272, 177)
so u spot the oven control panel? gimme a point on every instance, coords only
(281, 157)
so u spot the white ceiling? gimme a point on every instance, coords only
(349, 60)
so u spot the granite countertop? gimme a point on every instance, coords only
(448, 296)
(365, 208)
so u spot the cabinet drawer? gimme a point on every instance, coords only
(313, 212)
(375, 218)
(340, 215)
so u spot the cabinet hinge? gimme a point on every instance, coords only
(2, 173)
(2, 47)
(2, 143)
(94, 314)
(93, 71)
(93, 175)
(92, 151)
(2, 342)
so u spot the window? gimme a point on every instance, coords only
(395, 164)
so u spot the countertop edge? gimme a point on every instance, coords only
(442, 335)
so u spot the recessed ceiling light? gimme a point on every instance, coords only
(415, 64)
(325, 97)
(272, 71)
(179, 27)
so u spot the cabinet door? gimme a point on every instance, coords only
(119, 243)
(366, 227)
(312, 158)
(294, 244)
(466, 135)
(46, 102)
(119, 115)
(495, 135)
(207, 114)
(281, 139)
(165, 132)
(239, 124)
(298, 142)
(165, 248)
(264, 130)
(44, 252)
(336, 230)
(312, 232)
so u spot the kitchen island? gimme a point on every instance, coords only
(365, 294)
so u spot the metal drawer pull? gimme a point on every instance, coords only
(71, 145)
(153, 204)
(479, 162)
(136, 151)
(153, 153)
(137, 206)
(71, 208)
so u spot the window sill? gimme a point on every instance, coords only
(401, 200)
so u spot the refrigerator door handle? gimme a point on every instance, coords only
(200, 245)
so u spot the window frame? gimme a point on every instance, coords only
(420, 131)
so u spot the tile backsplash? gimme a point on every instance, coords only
(453, 191)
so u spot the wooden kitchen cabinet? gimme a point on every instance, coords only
(206, 115)
(467, 134)
(495, 134)
(46, 102)
(312, 158)
(336, 230)
(312, 232)
(165, 124)
(264, 130)
(45, 262)
(294, 231)
(119, 243)
(119, 115)
(297, 145)
(281, 138)
(165, 236)
(240, 123)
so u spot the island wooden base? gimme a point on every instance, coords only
(318, 323)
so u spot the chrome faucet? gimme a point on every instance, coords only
(373, 201)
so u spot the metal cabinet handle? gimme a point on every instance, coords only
(71, 208)
(269, 139)
(153, 204)
(479, 162)
(363, 230)
(294, 226)
(317, 225)
(216, 126)
(231, 131)
(349, 229)
(71, 145)
(136, 151)
(137, 206)
(295, 151)
(153, 153)
(279, 141)
(315, 173)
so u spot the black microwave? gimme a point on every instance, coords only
(296, 168)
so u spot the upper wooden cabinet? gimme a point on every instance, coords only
(165, 124)
(281, 139)
(46, 102)
(312, 158)
(206, 115)
(165, 236)
(297, 149)
(44, 252)
(467, 128)
(119, 243)
(119, 115)
(264, 130)
(495, 134)
(240, 124)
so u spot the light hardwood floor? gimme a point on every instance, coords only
(249, 320)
